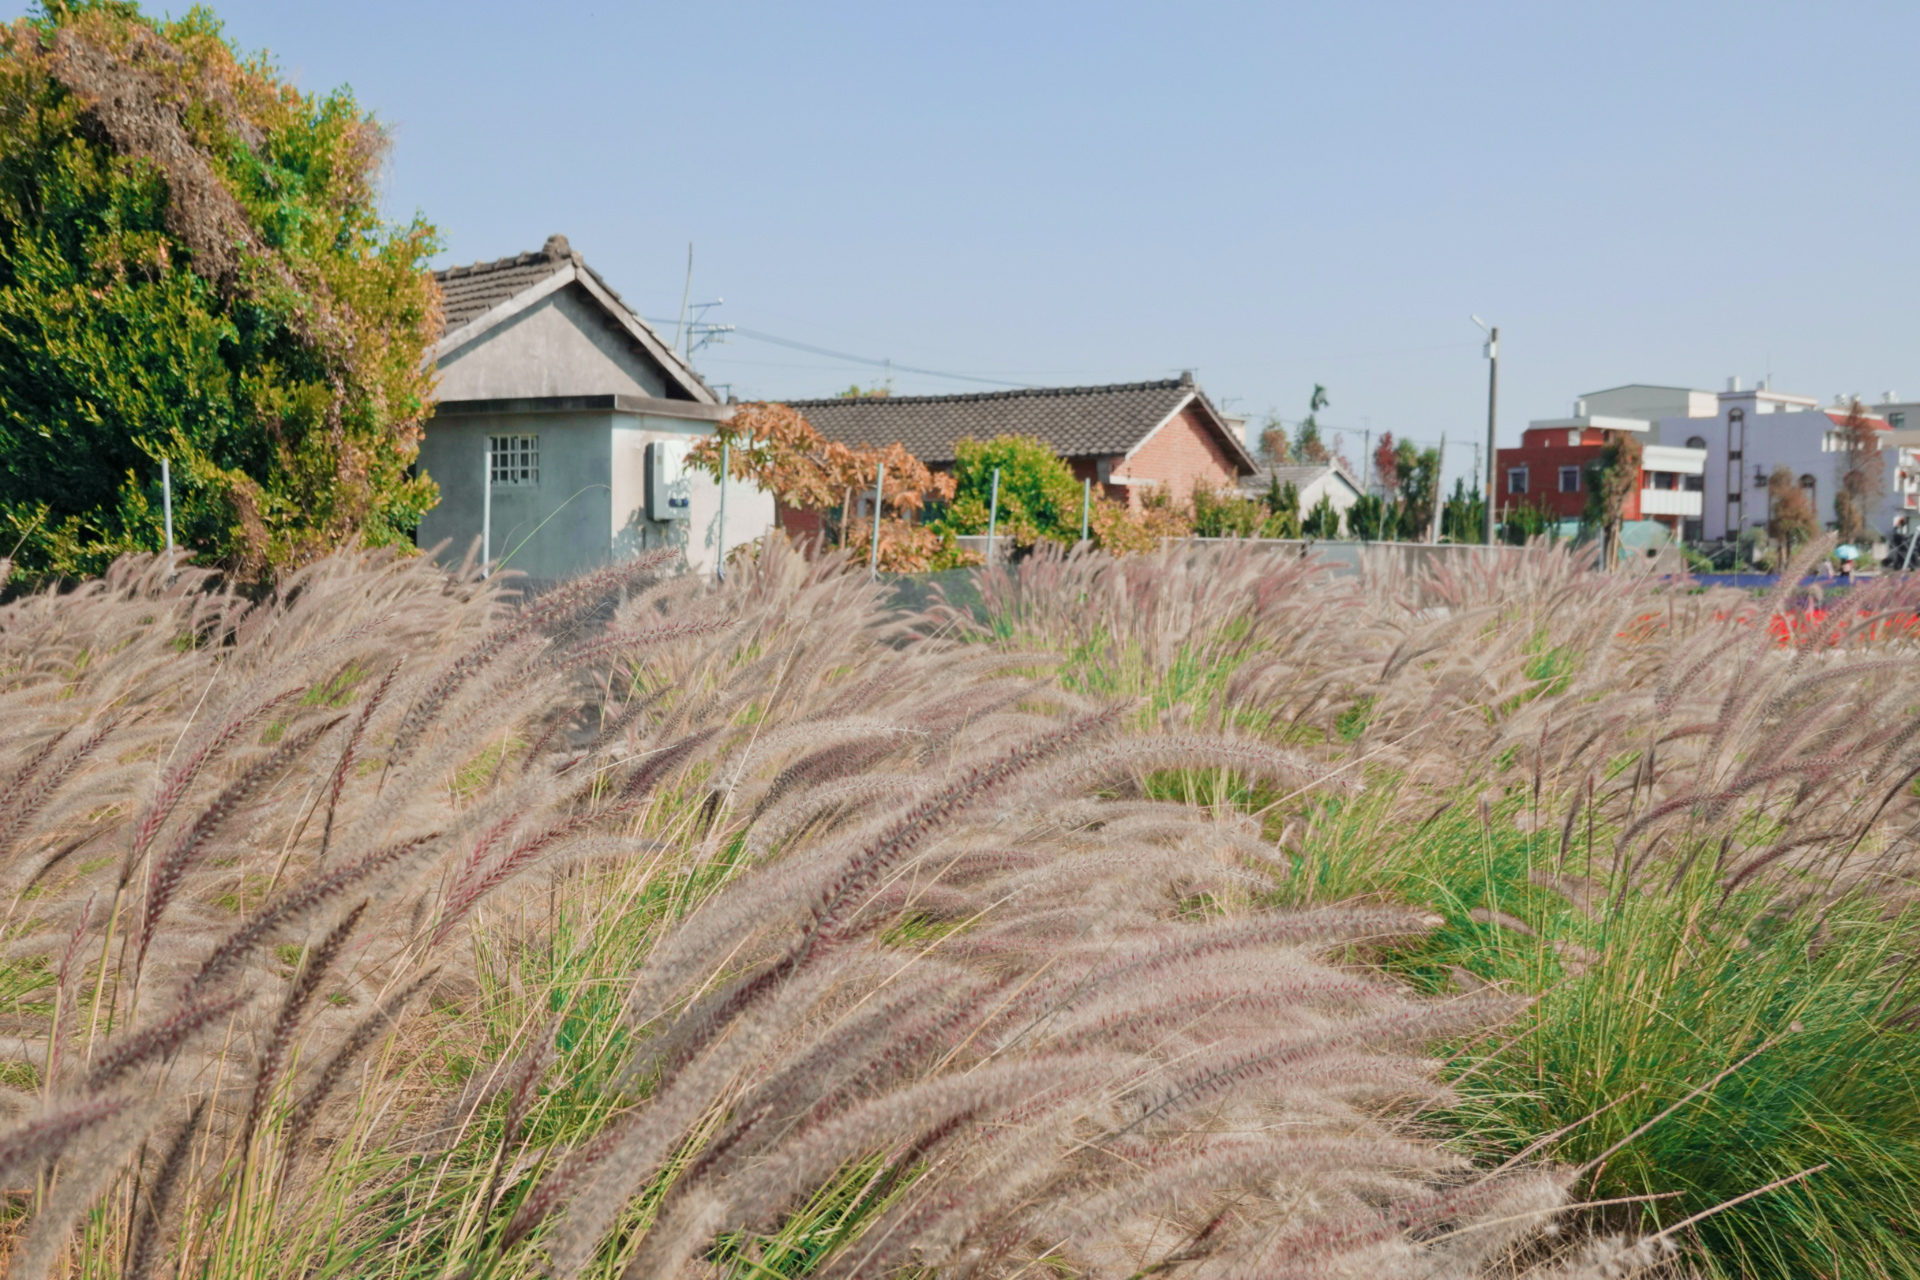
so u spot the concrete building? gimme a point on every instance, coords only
(1129, 438)
(562, 411)
(1548, 471)
(1753, 430)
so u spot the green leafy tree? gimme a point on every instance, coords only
(1226, 513)
(193, 267)
(1039, 497)
(1463, 519)
(1283, 509)
(1528, 520)
(1322, 521)
(1417, 481)
(1370, 519)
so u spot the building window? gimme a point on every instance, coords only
(1696, 442)
(516, 459)
(1516, 480)
(1693, 484)
(1897, 420)
(1569, 479)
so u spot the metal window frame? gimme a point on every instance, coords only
(515, 460)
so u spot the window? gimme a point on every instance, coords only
(1516, 480)
(1569, 479)
(1696, 442)
(1897, 420)
(516, 459)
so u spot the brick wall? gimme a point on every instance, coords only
(1181, 454)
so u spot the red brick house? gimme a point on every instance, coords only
(1128, 437)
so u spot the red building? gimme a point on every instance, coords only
(1548, 472)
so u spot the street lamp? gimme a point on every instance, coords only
(1492, 353)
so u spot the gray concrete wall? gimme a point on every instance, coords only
(550, 530)
(560, 346)
(749, 509)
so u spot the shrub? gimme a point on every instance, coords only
(193, 268)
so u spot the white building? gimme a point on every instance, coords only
(1751, 431)
(558, 405)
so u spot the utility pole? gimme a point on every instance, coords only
(1086, 507)
(1439, 489)
(879, 490)
(720, 538)
(166, 503)
(486, 508)
(1492, 353)
(993, 515)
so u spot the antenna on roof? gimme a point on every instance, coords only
(686, 294)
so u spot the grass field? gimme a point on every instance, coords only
(1189, 914)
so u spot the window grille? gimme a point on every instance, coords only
(516, 459)
(1569, 479)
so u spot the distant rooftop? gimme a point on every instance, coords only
(1072, 421)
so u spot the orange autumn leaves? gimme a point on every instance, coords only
(774, 447)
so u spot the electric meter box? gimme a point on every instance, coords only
(669, 493)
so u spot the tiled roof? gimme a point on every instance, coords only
(469, 292)
(1073, 421)
(1297, 476)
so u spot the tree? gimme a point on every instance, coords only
(773, 446)
(193, 268)
(1323, 521)
(1039, 496)
(1464, 518)
(1275, 449)
(1790, 517)
(1307, 445)
(1370, 519)
(1611, 479)
(1385, 466)
(1283, 509)
(1861, 481)
(1226, 513)
(1417, 478)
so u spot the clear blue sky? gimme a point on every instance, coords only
(1272, 195)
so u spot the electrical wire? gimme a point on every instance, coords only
(868, 361)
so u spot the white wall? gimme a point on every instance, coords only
(560, 346)
(1780, 434)
(749, 513)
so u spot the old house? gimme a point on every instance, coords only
(562, 423)
(1311, 482)
(1129, 438)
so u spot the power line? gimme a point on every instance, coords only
(810, 349)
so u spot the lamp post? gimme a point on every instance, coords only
(1492, 353)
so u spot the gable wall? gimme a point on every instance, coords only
(560, 346)
(1181, 454)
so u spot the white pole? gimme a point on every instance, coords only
(486, 512)
(1439, 489)
(993, 514)
(166, 503)
(1086, 506)
(720, 540)
(879, 489)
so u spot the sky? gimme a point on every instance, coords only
(1271, 195)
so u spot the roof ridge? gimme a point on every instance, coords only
(1013, 393)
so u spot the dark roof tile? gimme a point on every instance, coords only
(1073, 421)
